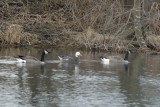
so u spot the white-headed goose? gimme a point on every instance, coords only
(70, 59)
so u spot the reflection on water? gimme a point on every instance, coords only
(89, 84)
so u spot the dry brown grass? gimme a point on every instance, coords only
(92, 39)
(102, 24)
(153, 19)
(152, 27)
(29, 39)
(87, 38)
(13, 34)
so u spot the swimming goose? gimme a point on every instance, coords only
(10, 60)
(23, 59)
(116, 58)
(104, 59)
(70, 59)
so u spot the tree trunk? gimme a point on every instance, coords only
(137, 23)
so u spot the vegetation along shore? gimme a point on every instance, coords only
(114, 25)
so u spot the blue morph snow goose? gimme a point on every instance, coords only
(70, 59)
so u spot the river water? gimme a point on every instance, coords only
(88, 84)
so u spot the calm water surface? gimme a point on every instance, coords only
(89, 84)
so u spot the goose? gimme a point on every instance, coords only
(10, 60)
(30, 59)
(70, 59)
(104, 59)
(116, 58)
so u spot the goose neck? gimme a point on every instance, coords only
(126, 56)
(42, 56)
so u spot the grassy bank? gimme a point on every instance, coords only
(101, 25)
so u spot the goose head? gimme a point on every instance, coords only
(46, 52)
(77, 54)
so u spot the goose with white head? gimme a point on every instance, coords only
(70, 59)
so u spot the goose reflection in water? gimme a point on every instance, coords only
(42, 67)
(115, 66)
(69, 67)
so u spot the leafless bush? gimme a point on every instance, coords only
(13, 34)
(153, 27)
(81, 23)
(154, 19)
(154, 41)
(96, 22)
